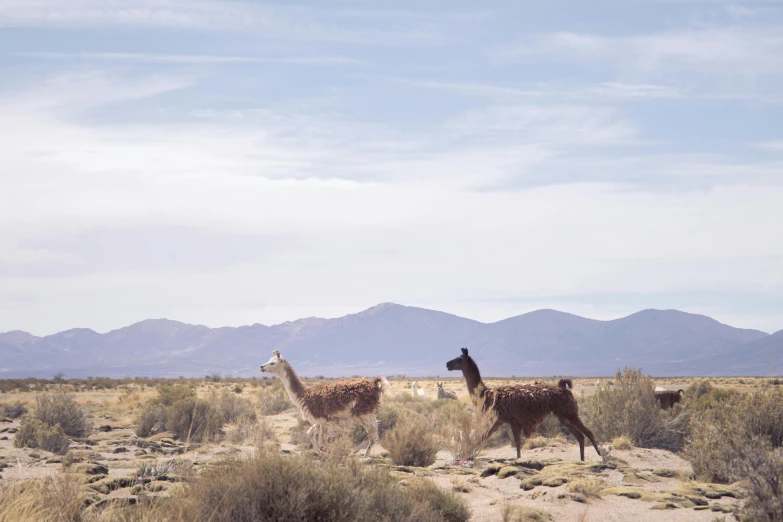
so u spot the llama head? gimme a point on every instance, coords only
(273, 365)
(460, 362)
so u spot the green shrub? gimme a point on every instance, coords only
(411, 441)
(60, 408)
(36, 434)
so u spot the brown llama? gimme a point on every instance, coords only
(667, 398)
(445, 394)
(525, 406)
(347, 400)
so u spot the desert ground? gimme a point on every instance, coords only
(630, 484)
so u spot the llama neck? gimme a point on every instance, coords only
(293, 384)
(472, 376)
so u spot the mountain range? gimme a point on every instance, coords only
(391, 339)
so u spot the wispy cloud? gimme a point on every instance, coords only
(607, 90)
(758, 50)
(266, 21)
(188, 58)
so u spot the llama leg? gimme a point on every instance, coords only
(313, 433)
(516, 431)
(370, 425)
(493, 429)
(581, 427)
(577, 434)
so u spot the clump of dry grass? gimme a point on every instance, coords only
(273, 399)
(231, 406)
(587, 487)
(274, 487)
(253, 431)
(463, 432)
(179, 410)
(622, 443)
(520, 513)
(13, 410)
(411, 442)
(55, 499)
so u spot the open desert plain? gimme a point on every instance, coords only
(147, 449)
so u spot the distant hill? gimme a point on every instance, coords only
(392, 339)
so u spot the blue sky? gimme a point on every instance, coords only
(227, 163)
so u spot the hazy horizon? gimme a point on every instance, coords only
(227, 163)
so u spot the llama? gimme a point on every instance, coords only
(524, 407)
(415, 391)
(667, 398)
(354, 400)
(445, 394)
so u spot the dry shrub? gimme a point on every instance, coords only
(252, 431)
(622, 443)
(36, 434)
(232, 407)
(151, 420)
(629, 408)
(13, 410)
(275, 487)
(411, 441)
(587, 487)
(463, 432)
(760, 470)
(50, 499)
(177, 409)
(60, 408)
(551, 428)
(519, 513)
(718, 432)
(273, 399)
(194, 420)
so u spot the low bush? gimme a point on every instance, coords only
(36, 434)
(60, 408)
(232, 407)
(273, 399)
(275, 487)
(463, 432)
(718, 432)
(629, 409)
(759, 468)
(152, 419)
(194, 420)
(411, 441)
(13, 410)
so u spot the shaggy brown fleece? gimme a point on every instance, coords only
(326, 400)
(668, 398)
(525, 406)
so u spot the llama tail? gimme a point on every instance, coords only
(566, 384)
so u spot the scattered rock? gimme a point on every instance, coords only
(121, 449)
(665, 505)
(105, 428)
(492, 469)
(664, 472)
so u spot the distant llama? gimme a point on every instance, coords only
(349, 400)
(445, 394)
(524, 407)
(667, 398)
(415, 391)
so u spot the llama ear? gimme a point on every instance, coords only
(464, 351)
(276, 353)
